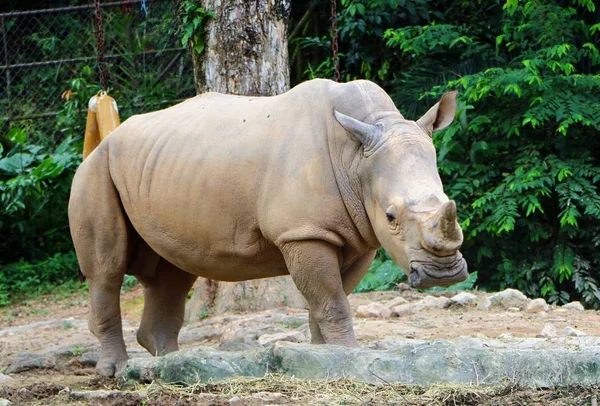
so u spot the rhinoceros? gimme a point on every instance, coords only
(308, 183)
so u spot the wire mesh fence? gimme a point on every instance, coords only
(43, 52)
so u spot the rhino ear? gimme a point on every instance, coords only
(367, 134)
(441, 115)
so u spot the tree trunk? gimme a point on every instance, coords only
(246, 49)
(245, 53)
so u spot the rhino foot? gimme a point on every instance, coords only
(110, 367)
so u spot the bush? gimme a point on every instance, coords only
(22, 278)
(36, 251)
(383, 274)
(522, 160)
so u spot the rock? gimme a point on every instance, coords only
(89, 359)
(373, 309)
(485, 361)
(106, 394)
(5, 379)
(198, 364)
(573, 307)
(412, 296)
(484, 303)
(513, 309)
(235, 400)
(38, 326)
(395, 302)
(269, 397)
(440, 361)
(404, 309)
(208, 396)
(199, 334)
(402, 287)
(571, 332)
(464, 299)
(5, 402)
(248, 331)
(25, 361)
(429, 302)
(237, 346)
(509, 298)
(548, 331)
(537, 305)
(506, 336)
(291, 336)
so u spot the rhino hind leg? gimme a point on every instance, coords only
(100, 235)
(165, 294)
(314, 267)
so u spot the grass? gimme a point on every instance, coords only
(66, 325)
(294, 324)
(340, 391)
(283, 389)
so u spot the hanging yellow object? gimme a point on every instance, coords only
(102, 119)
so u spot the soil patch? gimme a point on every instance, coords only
(62, 331)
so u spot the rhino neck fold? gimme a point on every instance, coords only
(344, 155)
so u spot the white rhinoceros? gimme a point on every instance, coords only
(308, 183)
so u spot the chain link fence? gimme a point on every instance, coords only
(43, 52)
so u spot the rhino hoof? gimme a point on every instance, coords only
(110, 368)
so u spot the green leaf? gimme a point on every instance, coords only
(514, 88)
(16, 163)
(48, 169)
(17, 135)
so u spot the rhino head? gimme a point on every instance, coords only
(403, 196)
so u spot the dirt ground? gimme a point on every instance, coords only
(61, 326)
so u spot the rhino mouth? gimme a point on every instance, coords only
(440, 272)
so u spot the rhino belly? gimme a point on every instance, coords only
(218, 248)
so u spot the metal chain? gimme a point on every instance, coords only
(334, 41)
(100, 40)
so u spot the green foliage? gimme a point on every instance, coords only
(467, 284)
(383, 274)
(129, 283)
(522, 160)
(35, 179)
(523, 163)
(38, 158)
(22, 278)
(194, 19)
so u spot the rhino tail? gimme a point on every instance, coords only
(81, 277)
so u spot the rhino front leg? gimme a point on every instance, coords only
(350, 279)
(314, 267)
(164, 306)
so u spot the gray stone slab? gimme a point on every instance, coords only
(198, 364)
(528, 362)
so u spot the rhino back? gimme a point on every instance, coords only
(216, 182)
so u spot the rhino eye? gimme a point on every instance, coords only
(390, 217)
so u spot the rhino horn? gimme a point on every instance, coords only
(443, 231)
(367, 134)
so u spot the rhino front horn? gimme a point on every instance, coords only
(442, 232)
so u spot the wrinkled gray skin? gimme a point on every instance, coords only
(309, 183)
